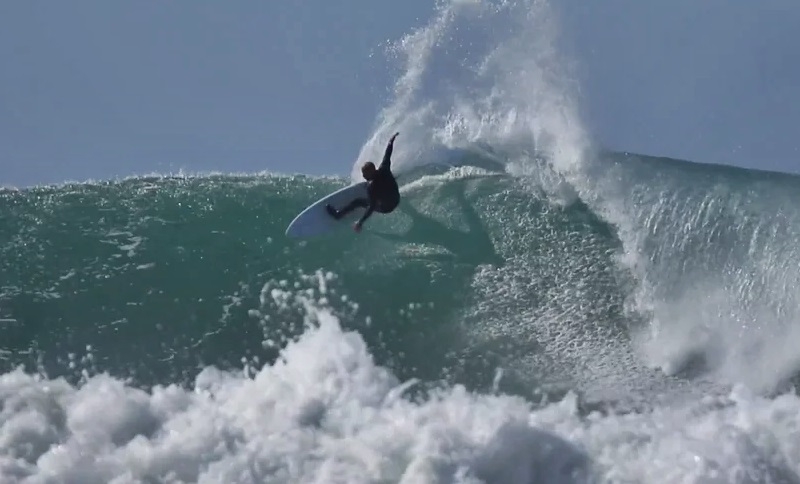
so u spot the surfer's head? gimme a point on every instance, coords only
(368, 170)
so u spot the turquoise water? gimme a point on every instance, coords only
(153, 279)
(175, 298)
(536, 310)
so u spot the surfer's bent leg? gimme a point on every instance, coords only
(358, 202)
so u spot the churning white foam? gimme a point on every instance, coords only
(325, 412)
(481, 72)
(490, 73)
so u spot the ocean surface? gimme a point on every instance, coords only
(537, 310)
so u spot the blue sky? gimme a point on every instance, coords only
(97, 89)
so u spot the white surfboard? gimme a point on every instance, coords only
(315, 219)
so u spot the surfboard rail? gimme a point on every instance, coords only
(315, 220)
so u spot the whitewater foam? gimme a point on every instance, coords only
(491, 74)
(715, 269)
(325, 412)
(531, 304)
(481, 72)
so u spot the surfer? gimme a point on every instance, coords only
(384, 195)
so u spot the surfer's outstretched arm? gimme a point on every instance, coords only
(387, 156)
(370, 209)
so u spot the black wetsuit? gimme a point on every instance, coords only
(384, 195)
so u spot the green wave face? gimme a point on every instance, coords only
(646, 287)
(477, 272)
(155, 278)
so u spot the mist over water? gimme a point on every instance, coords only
(536, 310)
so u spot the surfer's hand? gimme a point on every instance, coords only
(393, 137)
(357, 227)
